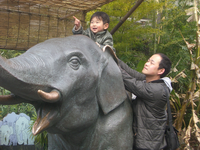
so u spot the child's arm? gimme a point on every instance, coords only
(106, 40)
(77, 29)
(77, 23)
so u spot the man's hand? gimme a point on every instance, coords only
(77, 23)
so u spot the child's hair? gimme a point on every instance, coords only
(102, 16)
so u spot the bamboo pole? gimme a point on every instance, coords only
(126, 16)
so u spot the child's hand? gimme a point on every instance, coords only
(77, 23)
(97, 44)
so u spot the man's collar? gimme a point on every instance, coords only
(157, 81)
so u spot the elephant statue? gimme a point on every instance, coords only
(22, 125)
(5, 132)
(10, 120)
(77, 90)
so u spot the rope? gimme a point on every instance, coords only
(8, 25)
(29, 27)
(48, 24)
(39, 26)
(18, 26)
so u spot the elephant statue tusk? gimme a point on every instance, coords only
(40, 124)
(51, 97)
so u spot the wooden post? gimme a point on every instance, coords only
(126, 16)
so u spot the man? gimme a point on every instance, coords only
(149, 118)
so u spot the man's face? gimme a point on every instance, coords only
(96, 25)
(152, 65)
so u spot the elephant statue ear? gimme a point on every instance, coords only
(111, 51)
(111, 92)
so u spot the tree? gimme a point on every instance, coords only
(192, 97)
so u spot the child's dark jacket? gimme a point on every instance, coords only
(102, 38)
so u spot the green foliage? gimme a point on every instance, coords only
(140, 66)
(172, 44)
(18, 108)
(10, 53)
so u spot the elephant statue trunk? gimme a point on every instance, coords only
(21, 71)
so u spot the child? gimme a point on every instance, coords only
(99, 23)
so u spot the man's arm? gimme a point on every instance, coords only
(133, 73)
(146, 91)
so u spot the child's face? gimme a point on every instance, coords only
(96, 25)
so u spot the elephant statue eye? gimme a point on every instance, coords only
(74, 63)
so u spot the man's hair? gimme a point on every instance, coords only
(165, 63)
(101, 16)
